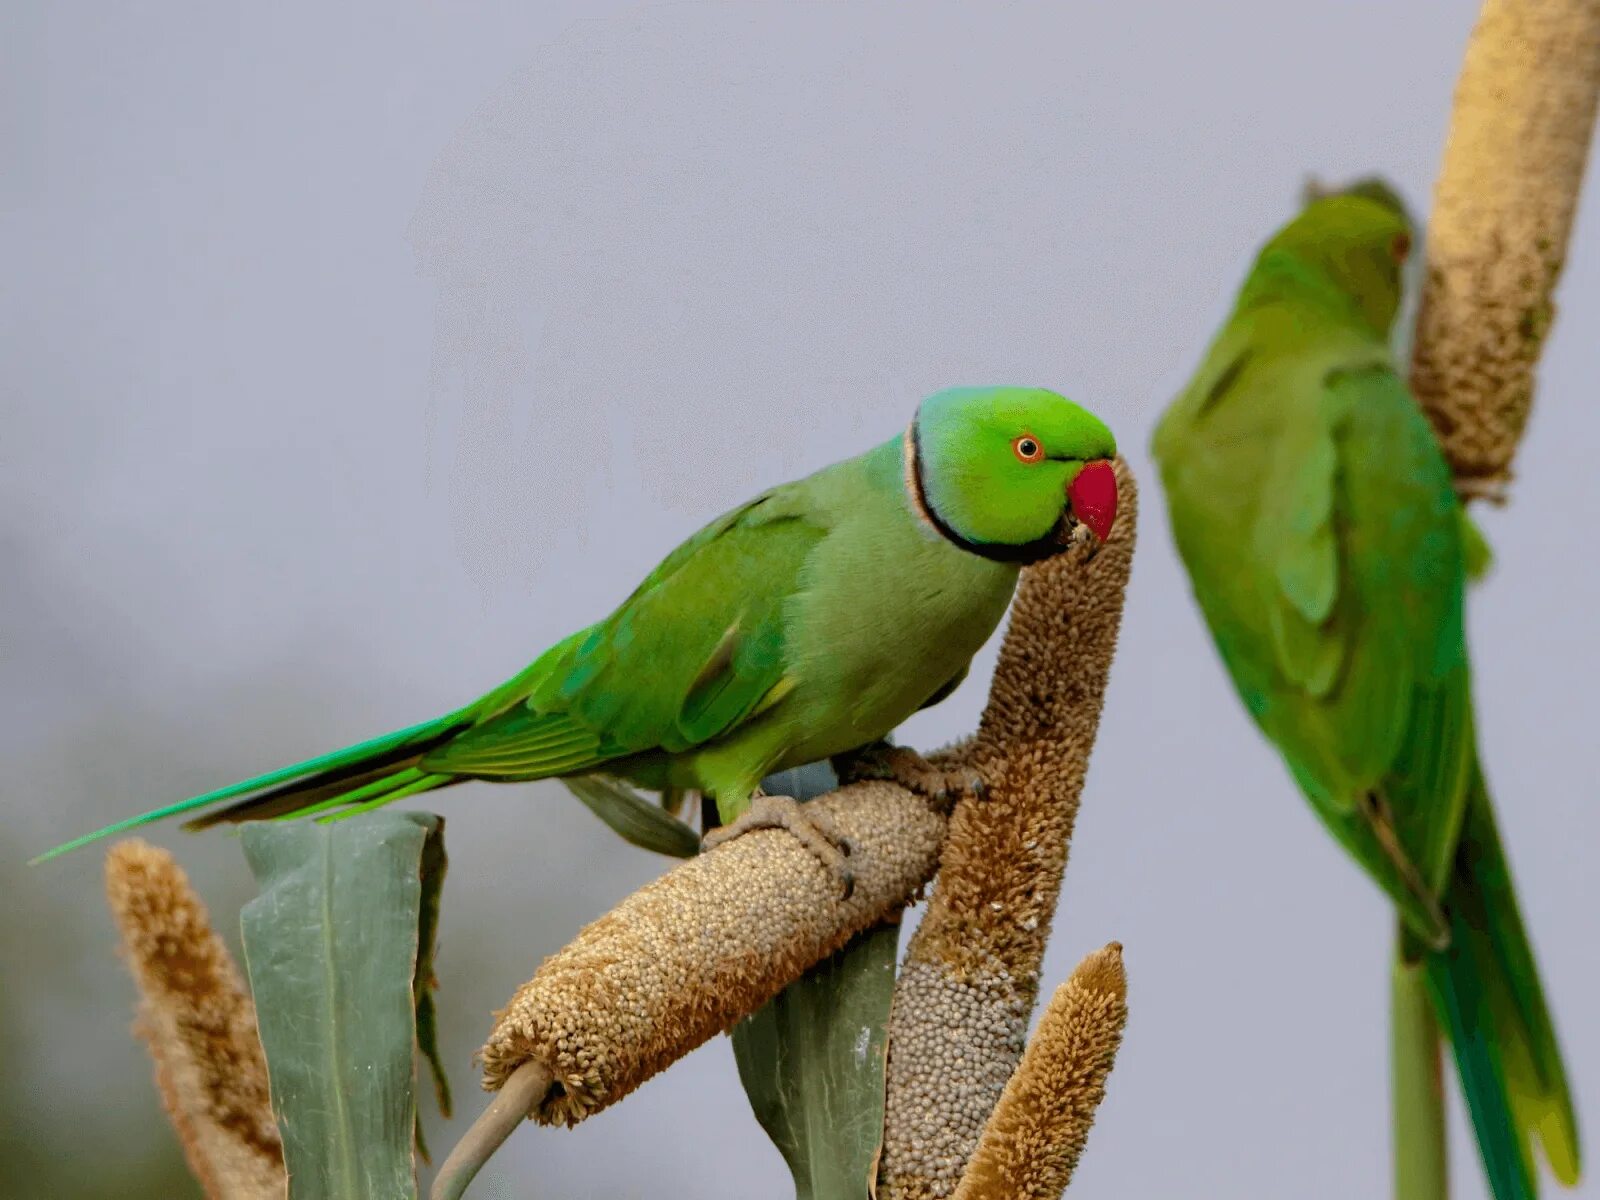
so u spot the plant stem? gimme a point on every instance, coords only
(1420, 1171)
(509, 1109)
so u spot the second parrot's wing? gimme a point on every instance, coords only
(1364, 606)
(696, 650)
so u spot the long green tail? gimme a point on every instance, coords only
(1487, 995)
(362, 776)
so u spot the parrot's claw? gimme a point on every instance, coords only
(813, 827)
(940, 785)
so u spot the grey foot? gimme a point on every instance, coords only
(941, 786)
(813, 827)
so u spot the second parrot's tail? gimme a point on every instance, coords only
(1488, 998)
(362, 776)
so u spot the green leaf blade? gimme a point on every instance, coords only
(813, 1064)
(331, 947)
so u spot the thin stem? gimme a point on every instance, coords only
(1420, 1171)
(510, 1107)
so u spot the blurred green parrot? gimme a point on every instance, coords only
(1328, 553)
(803, 625)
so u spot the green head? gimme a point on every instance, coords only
(1353, 242)
(1009, 473)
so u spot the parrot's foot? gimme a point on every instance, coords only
(940, 785)
(813, 827)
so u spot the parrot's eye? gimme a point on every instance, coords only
(1400, 247)
(1027, 448)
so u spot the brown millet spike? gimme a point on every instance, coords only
(199, 1024)
(971, 972)
(1036, 1135)
(1514, 160)
(692, 953)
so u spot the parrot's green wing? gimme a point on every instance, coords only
(1353, 573)
(697, 649)
(1368, 634)
(1403, 548)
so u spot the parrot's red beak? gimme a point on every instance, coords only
(1093, 495)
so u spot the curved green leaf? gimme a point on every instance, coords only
(812, 1063)
(634, 818)
(423, 982)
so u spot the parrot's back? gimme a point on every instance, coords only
(1248, 456)
(835, 661)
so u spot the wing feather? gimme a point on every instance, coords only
(695, 650)
(1337, 603)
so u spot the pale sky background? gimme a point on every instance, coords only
(353, 354)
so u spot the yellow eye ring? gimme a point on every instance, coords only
(1027, 448)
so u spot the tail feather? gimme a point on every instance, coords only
(1487, 993)
(361, 772)
(336, 783)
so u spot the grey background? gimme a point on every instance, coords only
(353, 354)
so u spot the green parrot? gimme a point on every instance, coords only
(1328, 552)
(803, 625)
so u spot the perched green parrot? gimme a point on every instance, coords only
(803, 625)
(1328, 552)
